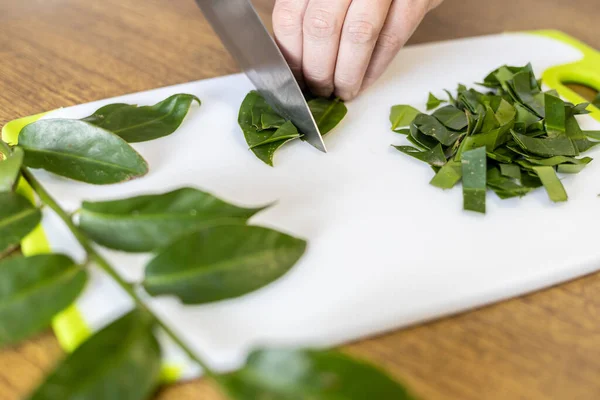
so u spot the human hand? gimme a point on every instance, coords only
(343, 46)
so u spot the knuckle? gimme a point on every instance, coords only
(361, 32)
(287, 19)
(347, 82)
(320, 24)
(389, 41)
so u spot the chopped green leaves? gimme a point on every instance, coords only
(145, 223)
(512, 139)
(474, 174)
(265, 131)
(433, 102)
(33, 290)
(18, 217)
(402, 116)
(222, 262)
(80, 151)
(309, 374)
(140, 124)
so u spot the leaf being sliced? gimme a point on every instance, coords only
(306, 374)
(33, 290)
(121, 361)
(287, 131)
(221, 263)
(434, 157)
(145, 223)
(10, 169)
(80, 151)
(402, 116)
(552, 184)
(18, 217)
(474, 176)
(328, 113)
(140, 124)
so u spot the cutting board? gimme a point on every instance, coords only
(386, 249)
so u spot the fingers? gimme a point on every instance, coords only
(323, 21)
(403, 19)
(288, 17)
(363, 24)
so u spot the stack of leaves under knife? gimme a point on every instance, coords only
(202, 251)
(512, 139)
(266, 131)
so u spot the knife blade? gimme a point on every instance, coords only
(243, 34)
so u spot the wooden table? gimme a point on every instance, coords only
(57, 53)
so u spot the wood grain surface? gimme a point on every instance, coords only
(56, 53)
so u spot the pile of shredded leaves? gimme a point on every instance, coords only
(512, 139)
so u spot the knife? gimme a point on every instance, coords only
(246, 38)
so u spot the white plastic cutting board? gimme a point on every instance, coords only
(386, 249)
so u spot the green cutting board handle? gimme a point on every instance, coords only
(584, 72)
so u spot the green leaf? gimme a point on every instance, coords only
(430, 126)
(433, 102)
(328, 113)
(145, 223)
(80, 151)
(592, 134)
(511, 171)
(580, 140)
(304, 374)
(448, 176)
(451, 117)
(474, 175)
(253, 136)
(552, 184)
(140, 124)
(271, 120)
(558, 146)
(596, 101)
(433, 157)
(33, 290)
(506, 113)
(505, 187)
(419, 139)
(403, 115)
(10, 169)
(222, 262)
(555, 115)
(122, 361)
(287, 131)
(558, 160)
(489, 121)
(18, 217)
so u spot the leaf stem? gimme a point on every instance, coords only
(93, 255)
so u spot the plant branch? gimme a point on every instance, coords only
(93, 255)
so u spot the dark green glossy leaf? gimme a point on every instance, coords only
(506, 113)
(489, 121)
(448, 176)
(405, 131)
(80, 151)
(505, 187)
(421, 140)
(579, 139)
(10, 169)
(122, 361)
(552, 184)
(221, 263)
(433, 157)
(140, 124)
(529, 93)
(579, 109)
(451, 99)
(430, 126)
(328, 113)
(474, 172)
(271, 120)
(33, 290)
(503, 155)
(524, 116)
(451, 117)
(18, 217)
(259, 108)
(314, 375)
(402, 115)
(287, 131)
(555, 115)
(145, 223)
(558, 146)
(433, 102)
